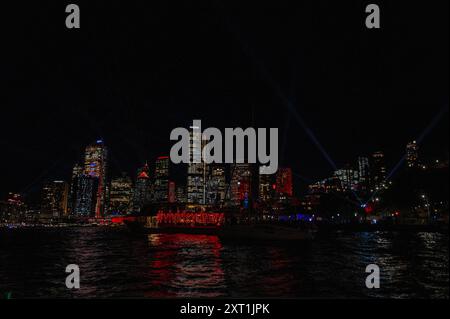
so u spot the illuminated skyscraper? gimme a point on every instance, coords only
(54, 199)
(196, 187)
(197, 172)
(86, 196)
(284, 182)
(121, 193)
(77, 171)
(266, 187)
(412, 154)
(378, 171)
(348, 177)
(95, 165)
(216, 186)
(241, 183)
(364, 173)
(181, 196)
(141, 193)
(161, 187)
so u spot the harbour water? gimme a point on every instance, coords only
(115, 263)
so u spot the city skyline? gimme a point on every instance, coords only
(366, 175)
(303, 180)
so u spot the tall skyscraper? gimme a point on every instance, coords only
(95, 165)
(412, 154)
(181, 196)
(196, 187)
(120, 195)
(241, 183)
(216, 186)
(54, 199)
(378, 171)
(267, 187)
(197, 172)
(284, 182)
(141, 192)
(161, 187)
(364, 173)
(86, 196)
(77, 171)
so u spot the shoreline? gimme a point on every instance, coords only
(324, 228)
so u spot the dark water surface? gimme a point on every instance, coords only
(115, 263)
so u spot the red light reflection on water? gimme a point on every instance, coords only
(184, 265)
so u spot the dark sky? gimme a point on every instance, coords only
(137, 69)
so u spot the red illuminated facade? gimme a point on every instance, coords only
(284, 182)
(172, 192)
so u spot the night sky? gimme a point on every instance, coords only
(137, 69)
